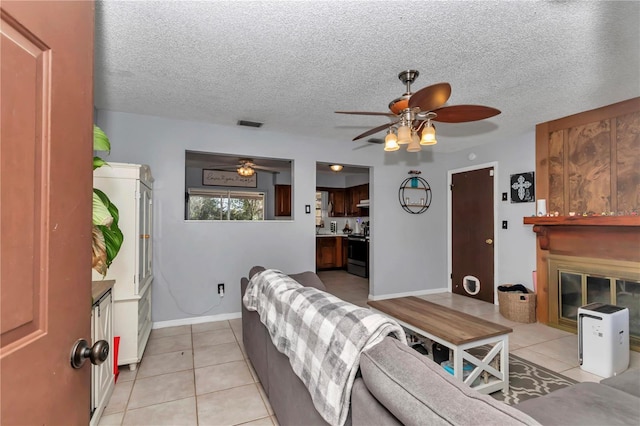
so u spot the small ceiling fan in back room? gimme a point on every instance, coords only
(412, 113)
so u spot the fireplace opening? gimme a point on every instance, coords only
(576, 281)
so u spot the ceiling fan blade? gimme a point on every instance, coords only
(375, 130)
(464, 113)
(430, 97)
(387, 114)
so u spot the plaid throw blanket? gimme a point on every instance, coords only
(322, 335)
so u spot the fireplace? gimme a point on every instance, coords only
(576, 281)
(587, 259)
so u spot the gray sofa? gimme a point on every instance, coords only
(397, 385)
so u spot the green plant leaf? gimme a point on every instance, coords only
(113, 241)
(113, 236)
(101, 215)
(98, 162)
(100, 140)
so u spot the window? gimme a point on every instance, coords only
(208, 204)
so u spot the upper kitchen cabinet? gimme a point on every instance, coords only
(283, 200)
(337, 202)
(355, 195)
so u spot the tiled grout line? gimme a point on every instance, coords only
(193, 370)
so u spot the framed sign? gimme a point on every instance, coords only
(222, 178)
(523, 187)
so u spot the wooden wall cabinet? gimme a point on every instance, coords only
(283, 200)
(337, 199)
(355, 194)
(129, 186)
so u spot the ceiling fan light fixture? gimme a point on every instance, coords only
(336, 167)
(404, 135)
(428, 135)
(414, 145)
(391, 142)
(246, 171)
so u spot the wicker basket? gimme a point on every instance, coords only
(519, 307)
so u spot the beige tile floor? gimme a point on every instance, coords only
(191, 375)
(199, 375)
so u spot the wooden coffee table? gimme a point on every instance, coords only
(459, 332)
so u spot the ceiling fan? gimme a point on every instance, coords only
(412, 113)
(246, 167)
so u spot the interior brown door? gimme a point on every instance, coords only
(472, 249)
(45, 209)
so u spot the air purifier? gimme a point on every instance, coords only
(603, 339)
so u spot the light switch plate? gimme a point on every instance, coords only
(504, 224)
(504, 196)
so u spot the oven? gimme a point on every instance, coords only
(358, 255)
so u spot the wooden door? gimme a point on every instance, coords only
(472, 250)
(45, 209)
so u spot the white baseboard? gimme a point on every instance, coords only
(196, 320)
(409, 293)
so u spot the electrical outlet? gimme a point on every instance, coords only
(221, 288)
(504, 196)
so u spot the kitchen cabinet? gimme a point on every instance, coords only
(102, 378)
(129, 186)
(337, 200)
(345, 251)
(355, 194)
(283, 200)
(330, 252)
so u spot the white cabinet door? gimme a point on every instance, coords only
(102, 379)
(145, 254)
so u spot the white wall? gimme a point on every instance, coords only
(516, 245)
(408, 252)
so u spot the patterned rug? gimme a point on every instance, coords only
(528, 380)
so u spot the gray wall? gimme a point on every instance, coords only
(408, 252)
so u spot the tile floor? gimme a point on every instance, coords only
(199, 375)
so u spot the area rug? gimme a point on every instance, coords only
(528, 380)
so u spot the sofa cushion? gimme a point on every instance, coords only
(418, 391)
(628, 382)
(366, 410)
(584, 404)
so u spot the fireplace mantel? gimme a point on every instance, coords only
(583, 220)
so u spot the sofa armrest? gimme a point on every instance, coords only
(628, 382)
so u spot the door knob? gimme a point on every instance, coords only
(488, 241)
(97, 353)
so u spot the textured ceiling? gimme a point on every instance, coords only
(290, 64)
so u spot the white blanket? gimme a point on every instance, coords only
(321, 334)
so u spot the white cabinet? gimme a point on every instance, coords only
(129, 187)
(102, 378)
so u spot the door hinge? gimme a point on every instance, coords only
(491, 172)
(137, 195)
(451, 187)
(134, 278)
(451, 276)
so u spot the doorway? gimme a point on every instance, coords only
(471, 226)
(343, 223)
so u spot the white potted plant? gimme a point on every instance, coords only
(106, 235)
